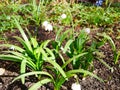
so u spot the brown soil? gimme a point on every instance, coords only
(112, 79)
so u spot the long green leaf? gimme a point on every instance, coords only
(57, 35)
(84, 72)
(52, 57)
(21, 30)
(39, 84)
(17, 57)
(10, 45)
(27, 49)
(34, 42)
(62, 80)
(40, 49)
(117, 57)
(45, 43)
(71, 59)
(11, 58)
(58, 67)
(33, 73)
(44, 55)
(64, 35)
(110, 41)
(23, 34)
(103, 62)
(67, 46)
(23, 70)
(23, 43)
(34, 5)
(15, 53)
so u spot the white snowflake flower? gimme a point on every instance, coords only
(87, 30)
(83, 78)
(76, 86)
(45, 23)
(2, 71)
(12, 48)
(49, 27)
(63, 16)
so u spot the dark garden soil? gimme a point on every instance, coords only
(112, 79)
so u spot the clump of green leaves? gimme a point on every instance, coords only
(34, 55)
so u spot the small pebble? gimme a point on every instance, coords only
(2, 71)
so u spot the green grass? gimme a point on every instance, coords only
(34, 14)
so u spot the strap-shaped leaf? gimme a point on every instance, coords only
(23, 34)
(45, 43)
(61, 80)
(15, 53)
(84, 72)
(39, 84)
(24, 43)
(34, 42)
(11, 58)
(18, 57)
(103, 62)
(71, 59)
(21, 30)
(10, 45)
(44, 55)
(50, 54)
(58, 67)
(63, 36)
(41, 48)
(110, 41)
(23, 70)
(33, 73)
(67, 46)
(117, 57)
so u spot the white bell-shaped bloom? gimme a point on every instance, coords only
(63, 16)
(76, 86)
(87, 30)
(49, 27)
(45, 23)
